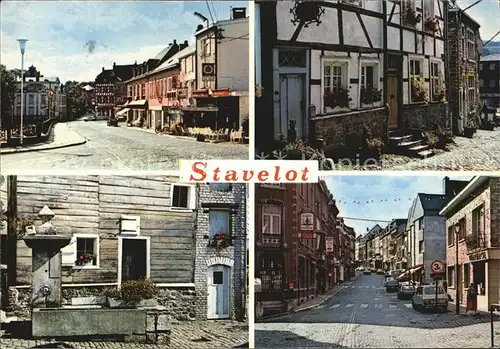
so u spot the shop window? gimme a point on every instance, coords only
(271, 274)
(479, 276)
(451, 276)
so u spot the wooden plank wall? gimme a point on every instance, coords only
(94, 204)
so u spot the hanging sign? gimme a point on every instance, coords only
(307, 222)
(329, 244)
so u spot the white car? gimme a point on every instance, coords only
(90, 117)
(425, 298)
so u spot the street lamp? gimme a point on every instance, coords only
(22, 46)
(457, 297)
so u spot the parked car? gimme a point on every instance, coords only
(391, 285)
(90, 117)
(406, 290)
(425, 298)
(496, 118)
(112, 122)
(380, 272)
(367, 272)
(373, 270)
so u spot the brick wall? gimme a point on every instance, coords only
(233, 256)
(425, 116)
(336, 129)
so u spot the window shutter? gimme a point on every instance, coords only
(130, 225)
(68, 253)
(192, 198)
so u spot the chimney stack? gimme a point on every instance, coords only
(446, 188)
(102, 68)
(114, 65)
(183, 45)
(199, 27)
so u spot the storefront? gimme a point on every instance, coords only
(484, 271)
(139, 112)
(225, 114)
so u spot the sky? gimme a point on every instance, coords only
(487, 14)
(352, 193)
(73, 40)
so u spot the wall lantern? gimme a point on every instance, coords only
(306, 12)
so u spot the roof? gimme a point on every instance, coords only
(162, 53)
(123, 72)
(49, 78)
(473, 185)
(188, 51)
(432, 202)
(469, 18)
(220, 24)
(169, 63)
(491, 58)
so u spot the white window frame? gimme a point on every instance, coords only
(120, 255)
(432, 78)
(472, 44)
(229, 228)
(97, 251)
(492, 82)
(191, 197)
(463, 42)
(421, 61)
(207, 43)
(271, 215)
(333, 61)
(469, 89)
(376, 78)
(481, 83)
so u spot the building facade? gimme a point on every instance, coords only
(489, 80)
(374, 53)
(150, 227)
(473, 242)
(465, 47)
(110, 90)
(222, 74)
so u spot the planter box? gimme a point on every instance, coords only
(92, 300)
(336, 109)
(115, 303)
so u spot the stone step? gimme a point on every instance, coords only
(396, 140)
(409, 144)
(425, 154)
(418, 148)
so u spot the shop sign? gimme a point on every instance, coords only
(291, 285)
(329, 244)
(203, 93)
(221, 93)
(307, 222)
(478, 256)
(307, 235)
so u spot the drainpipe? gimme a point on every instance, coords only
(245, 270)
(386, 70)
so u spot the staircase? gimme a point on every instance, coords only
(410, 143)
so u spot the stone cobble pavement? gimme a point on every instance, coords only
(210, 334)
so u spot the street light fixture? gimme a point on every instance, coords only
(22, 46)
(457, 297)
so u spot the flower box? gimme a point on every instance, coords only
(411, 17)
(338, 99)
(85, 260)
(432, 24)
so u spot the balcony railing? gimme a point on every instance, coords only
(271, 240)
(475, 241)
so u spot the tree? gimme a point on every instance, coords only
(8, 88)
(75, 99)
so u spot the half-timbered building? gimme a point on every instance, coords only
(332, 66)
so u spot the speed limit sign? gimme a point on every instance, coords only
(437, 267)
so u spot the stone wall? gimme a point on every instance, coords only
(232, 256)
(180, 303)
(336, 129)
(425, 116)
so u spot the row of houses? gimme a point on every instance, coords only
(200, 85)
(452, 237)
(389, 66)
(152, 227)
(302, 246)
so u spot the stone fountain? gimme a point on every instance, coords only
(46, 246)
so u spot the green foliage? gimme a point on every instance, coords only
(112, 293)
(76, 99)
(136, 290)
(8, 90)
(22, 223)
(292, 131)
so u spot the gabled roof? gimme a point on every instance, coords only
(432, 203)
(169, 63)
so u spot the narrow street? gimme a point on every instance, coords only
(121, 148)
(364, 315)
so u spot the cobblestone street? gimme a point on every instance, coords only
(364, 315)
(478, 153)
(211, 334)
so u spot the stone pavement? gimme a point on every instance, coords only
(478, 153)
(203, 335)
(62, 136)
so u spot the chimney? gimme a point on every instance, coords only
(239, 12)
(183, 45)
(102, 68)
(199, 27)
(446, 187)
(114, 65)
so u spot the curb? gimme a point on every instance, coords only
(15, 151)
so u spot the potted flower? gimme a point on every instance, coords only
(418, 92)
(376, 95)
(221, 240)
(373, 148)
(411, 17)
(85, 259)
(113, 297)
(432, 24)
(138, 292)
(337, 98)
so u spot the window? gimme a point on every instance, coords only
(369, 84)
(492, 83)
(207, 47)
(332, 78)
(464, 47)
(451, 276)
(478, 221)
(43, 99)
(471, 90)
(220, 186)
(479, 274)
(432, 290)
(219, 223)
(31, 110)
(183, 65)
(31, 99)
(463, 229)
(481, 66)
(271, 220)
(471, 52)
(435, 81)
(481, 83)
(82, 251)
(421, 246)
(169, 84)
(492, 66)
(336, 93)
(143, 90)
(466, 274)
(416, 81)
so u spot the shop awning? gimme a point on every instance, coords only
(417, 268)
(123, 111)
(201, 109)
(403, 276)
(138, 103)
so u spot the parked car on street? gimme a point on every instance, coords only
(425, 298)
(367, 272)
(373, 270)
(380, 272)
(391, 285)
(112, 122)
(406, 290)
(90, 117)
(496, 118)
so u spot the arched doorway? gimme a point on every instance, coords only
(218, 292)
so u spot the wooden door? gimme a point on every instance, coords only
(134, 259)
(392, 95)
(218, 292)
(292, 103)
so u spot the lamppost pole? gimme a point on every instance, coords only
(22, 46)
(457, 289)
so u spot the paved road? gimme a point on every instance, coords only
(121, 148)
(364, 315)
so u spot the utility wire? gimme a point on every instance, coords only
(494, 36)
(209, 11)
(366, 219)
(213, 8)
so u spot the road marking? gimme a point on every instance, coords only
(321, 306)
(349, 305)
(408, 305)
(335, 306)
(378, 306)
(364, 305)
(392, 306)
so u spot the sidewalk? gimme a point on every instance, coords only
(313, 303)
(62, 136)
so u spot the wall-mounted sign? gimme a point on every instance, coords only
(307, 235)
(437, 267)
(307, 222)
(478, 256)
(291, 285)
(329, 244)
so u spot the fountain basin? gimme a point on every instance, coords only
(64, 322)
(47, 242)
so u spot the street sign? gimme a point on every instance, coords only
(437, 267)
(291, 285)
(307, 222)
(329, 244)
